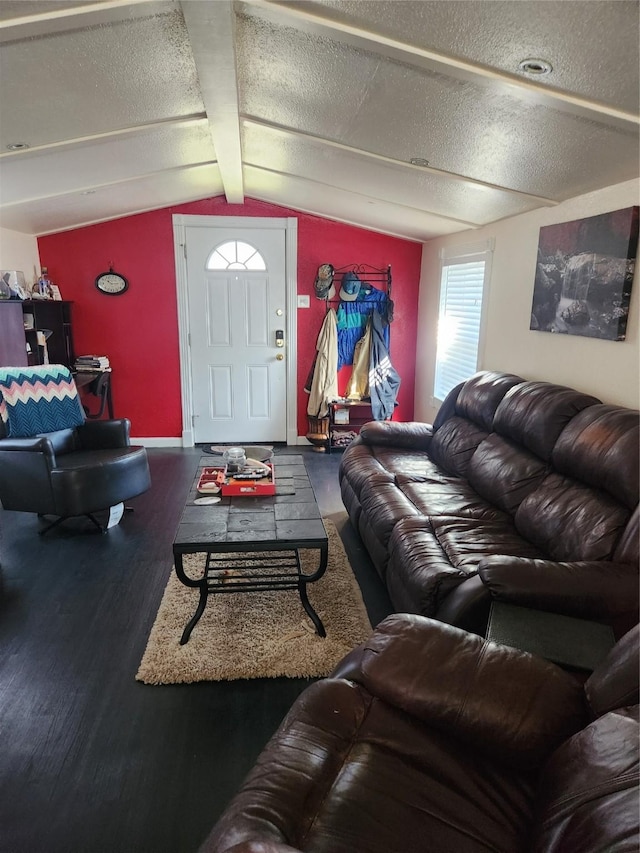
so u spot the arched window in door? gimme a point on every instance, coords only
(235, 255)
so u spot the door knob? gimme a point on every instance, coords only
(279, 357)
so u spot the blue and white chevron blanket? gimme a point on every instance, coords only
(35, 400)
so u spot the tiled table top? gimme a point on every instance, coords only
(290, 518)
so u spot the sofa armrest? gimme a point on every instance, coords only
(36, 444)
(501, 700)
(410, 435)
(586, 588)
(103, 435)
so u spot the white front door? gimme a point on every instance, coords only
(236, 287)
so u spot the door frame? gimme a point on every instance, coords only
(182, 221)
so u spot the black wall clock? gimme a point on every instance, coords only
(111, 283)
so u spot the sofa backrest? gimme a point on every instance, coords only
(514, 459)
(600, 448)
(588, 791)
(467, 419)
(582, 509)
(564, 464)
(534, 414)
(614, 682)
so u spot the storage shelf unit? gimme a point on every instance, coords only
(20, 345)
(345, 421)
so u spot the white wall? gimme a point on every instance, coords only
(608, 369)
(20, 252)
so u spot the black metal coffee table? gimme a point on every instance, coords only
(254, 543)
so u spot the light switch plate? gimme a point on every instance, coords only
(303, 301)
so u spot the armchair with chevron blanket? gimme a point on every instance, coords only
(52, 460)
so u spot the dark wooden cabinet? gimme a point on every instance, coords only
(20, 323)
(13, 345)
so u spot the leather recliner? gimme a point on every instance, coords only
(73, 471)
(429, 738)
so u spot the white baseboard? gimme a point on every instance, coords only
(174, 441)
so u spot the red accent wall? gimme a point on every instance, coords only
(139, 330)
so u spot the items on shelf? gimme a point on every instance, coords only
(92, 363)
(42, 288)
(342, 439)
(12, 284)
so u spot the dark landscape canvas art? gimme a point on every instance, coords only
(584, 275)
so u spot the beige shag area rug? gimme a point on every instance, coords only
(257, 634)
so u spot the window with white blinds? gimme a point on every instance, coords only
(461, 293)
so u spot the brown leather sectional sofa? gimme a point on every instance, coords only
(521, 491)
(429, 738)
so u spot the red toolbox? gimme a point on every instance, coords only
(250, 488)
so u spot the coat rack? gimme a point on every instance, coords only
(378, 277)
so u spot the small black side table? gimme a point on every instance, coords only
(97, 383)
(569, 642)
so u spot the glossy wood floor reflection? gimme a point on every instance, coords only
(91, 761)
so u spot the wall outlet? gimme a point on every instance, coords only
(303, 301)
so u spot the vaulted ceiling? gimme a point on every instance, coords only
(319, 106)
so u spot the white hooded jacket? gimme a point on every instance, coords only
(324, 385)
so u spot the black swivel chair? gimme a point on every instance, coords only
(55, 462)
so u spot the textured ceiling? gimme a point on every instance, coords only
(318, 106)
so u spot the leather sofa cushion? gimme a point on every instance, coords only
(600, 447)
(376, 549)
(466, 541)
(454, 444)
(588, 792)
(428, 558)
(481, 395)
(614, 682)
(409, 435)
(413, 466)
(384, 505)
(504, 472)
(571, 521)
(534, 414)
(419, 575)
(363, 465)
(628, 548)
(91, 480)
(324, 781)
(448, 496)
(513, 707)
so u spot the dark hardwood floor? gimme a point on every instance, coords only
(91, 760)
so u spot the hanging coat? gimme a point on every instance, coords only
(384, 380)
(324, 385)
(358, 386)
(352, 321)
